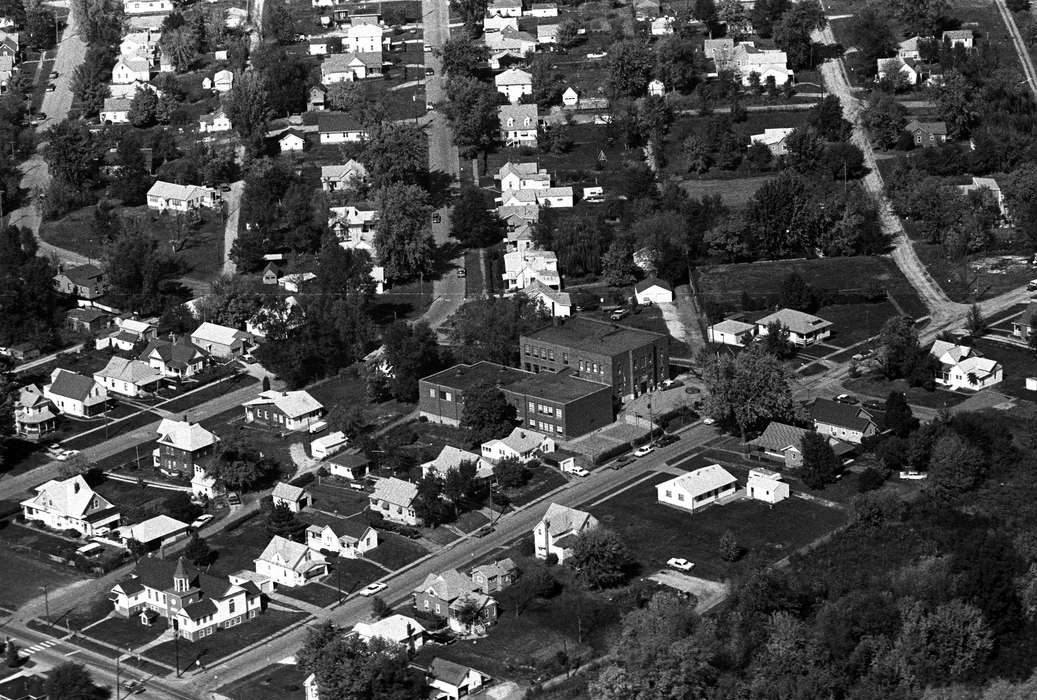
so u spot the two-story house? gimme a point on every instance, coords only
(128, 377)
(34, 414)
(518, 124)
(349, 538)
(289, 563)
(182, 446)
(849, 423)
(514, 83)
(194, 604)
(75, 395)
(347, 67)
(177, 359)
(83, 281)
(448, 593)
(495, 576)
(220, 341)
(71, 505)
(558, 529)
(285, 410)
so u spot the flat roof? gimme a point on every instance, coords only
(464, 377)
(595, 336)
(557, 386)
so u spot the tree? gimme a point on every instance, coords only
(899, 349)
(99, 21)
(734, 15)
(870, 31)
(954, 468)
(899, 419)
(131, 182)
(947, 644)
(239, 466)
(797, 293)
(71, 681)
(820, 465)
(705, 11)
(511, 473)
(617, 264)
(395, 153)
(11, 654)
(922, 17)
(600, 558)
(473, 221)
(730, 550)
(197, 551)
(247, 108)
(679, 63)
(282, 522)
(472, 13)
(826, 118)
(41, 25)
(748, 391)
(179, 41)
(136, 268)
(471, 109)
(489, 329)
(285, 77)
(792, 32)
(548, 82)
(178, 505)
(463, 57)
(766, 14)
(956, 104)
(412, 352)
(885, 118)
(630, 66)
(429, 505)
(91, 78)
(568, 33)
(143, 108)
(402, 237)
(777, 342)
(13, 10)
(379, 608)
(486, 414)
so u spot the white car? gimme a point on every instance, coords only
(428, 48)
(372, 588)
(201, 520)
(643, 450)
(680, 563)
(597, 54)
(579, 471)
(708, 421)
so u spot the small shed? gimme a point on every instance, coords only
(767, 486)
(324, 447)
(349, 466)
(291, 141)
(656, 88)
(653, 291)
(295, 498)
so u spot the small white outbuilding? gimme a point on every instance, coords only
(767, 486)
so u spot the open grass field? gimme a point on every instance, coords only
(355, 573)
(735, 193)
(277, 682)
(877, 387)
(1018, 363)
(316, 593)
(333, 496)
(126, 633)
(22, 577)
(348, 390)
(395, 551)
(237, 549)
(205, 652)
(543, 481)
(724, 285)
(136, 503)
(856, 322)
(982, 279)
(656, 532)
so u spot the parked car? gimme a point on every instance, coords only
(1031, 286)
(621, 462)
(357, 486)
(53, 75)
(692, 390)
(672, 383)
(430, 71)
(708, 421)
(461, 272)
(133, 687)
(436, 218)
(680, 563)
(847, 399)
(428, 48)
(201, 520)
(619, 314)
(233, 499)
(578, 471)
(51, 87)
(665, 440)
(484, 531)
(643, 450)
(372, 588)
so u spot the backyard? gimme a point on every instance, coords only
(236, 548)
(655, 532)
(276, 682)
(136, 502)
(1018, 364)
(395, 551)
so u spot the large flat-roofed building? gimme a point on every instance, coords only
(560, 405)
(630, 360)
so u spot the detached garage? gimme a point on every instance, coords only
(653, 291)
(767, 486)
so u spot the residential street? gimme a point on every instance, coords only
(464, 551)
(232, 201)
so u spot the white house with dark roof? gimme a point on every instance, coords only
(220, 341)
(335, 178)
(731, 332)
(398, 629)
(452, 681)
(557, 303)
(289, 563)
(558, 529)
(115, 110)
(34, 414)
(776, 140)
(170, 195)
(697, 489)
(349, 538)
(962, 367)
(849, 423)
(653, 290)
(964, 38)
(194, 603)
(291, 141)
(394, 499)
(216, 123)
(128, 377)
(131, 331)
(518, 124)
(347, 67)
(178, 359)
(522, 444)
(292, 497)
(351, 466)
(75, 395)
(339, 127)
(514, 83)
(804, 329)
(131, 69)
(287, 410)
(71, 505)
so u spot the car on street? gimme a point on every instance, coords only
(461, 272)
(847, 399)
(1031, 286)
(53, 75)
(484, 531)
(133, 687)
(875, 405)
(619, 314)
(665, 440)
(708, 421)
(621, 462)
(578, 471)
(436, 218)
(38, 118)
(430, 71)
(428, 48)
(643, 450)
(680, 563)
(372, 588)
(233, 499)
(201, 520)
(429, 106)
(51, 87)
(672, 383)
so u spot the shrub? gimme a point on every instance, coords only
(303, 479)
(322, 471)
(869, 480)
(552, 559)
(72, 532)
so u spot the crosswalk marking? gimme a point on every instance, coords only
(41, 646)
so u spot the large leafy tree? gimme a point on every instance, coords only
(247, 107)
(954, 468)
(885, 118)
(473, 222)
(347, 667)
(239, 466)
(748, 391)
(402, 237)
(99, 21)
(489, 329)
(282, 522)
(486, 414)
(679, 63)
(471, 109)
(411, 352)
(630, 66)
(71, 681)
(180, 41)
(826, 118)
(946, 644)
(820, 465)
(871, 32)
(396, 153)
(600, 558)
(91, 78)
(137, 268)
(285, 76)
(462, 56)
(41, 25)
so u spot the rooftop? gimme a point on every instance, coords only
(595, 336)
(291, 403)
(701, 480)
(464, 377)
(560, 387)
(840, 414)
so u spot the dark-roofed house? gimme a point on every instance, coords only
(86, 320)
(452, 681)
(33, 414)
(842, 421)
(653, 291)
(194, 603)
(179, 359)
(183, 446)
(495, 576)
(1023, 324)
(291, 140)
(927, 134)
(24, 688)
(339, 127)
(446, 593)
(75, 395)
(630, 360)
(83, 281)
(349, 466)
(347, 537)
(441, 395)
(781, 442)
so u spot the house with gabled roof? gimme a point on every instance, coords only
(334, 178)
(195, 604)
(514, 83)
(521, 443)
(183, 446)
(289, 563)
(179, 358)
(731, 332)
(521, 267)
(558, 529)
(766, 485)
(450, 458)
(447, 593)
(154, 532)
(398, 629)
(846, 422)
(170, 195)
(86, 320)
(653, 290)
(504, 8)
(927, 134)
(909, 49)
(697, 489)
(34, 414)
(963, 367)
(989, 191)
(393, 499)
(896, 68)
(286, 410)
(291, 141)
(339, 127)
(547, 34)
(351, 466)
(495, 576)
(963, 38)
(347, 67)
(131, 69)
(128, 377)
(216, 123)
(71, 504)
(557, 303)
(453, 681)
(115, 110)
(766, 64)
(782, 443)
(804, 329)
(131, 332)
(522, 176)
(292, 497)
(518, 124)
(220, 341)
(84, 281)
(349, 538)
(24, 687)
(776, 140)
(75, 395)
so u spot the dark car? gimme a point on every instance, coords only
(52, 87)
(233, 499)
(436, 218)
(621, 462)
(484, 531)
(430, 71)
(665, 440)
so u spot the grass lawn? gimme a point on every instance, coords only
(277, 682)
(86, 363)
(315, 593)
(349, 390)
(136, 503)
(469, 522)
(403, 301)
(225, 641)
(22, 576)
(662, 532)
(878, 387)
(236, 549)
(723, 285)
(1018, 364)
(395, 551)
(355, 573)
(209, 393)
(735, 193)
(854, 323)
(96, 437)
(333, 496)
(983, 279)
(440, 535)
(39, 541)
(126, 633)
(542, 481)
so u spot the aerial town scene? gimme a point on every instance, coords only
(503, 349)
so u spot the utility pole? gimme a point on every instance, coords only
(176, 647)
(46, 604)
(118, 668)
